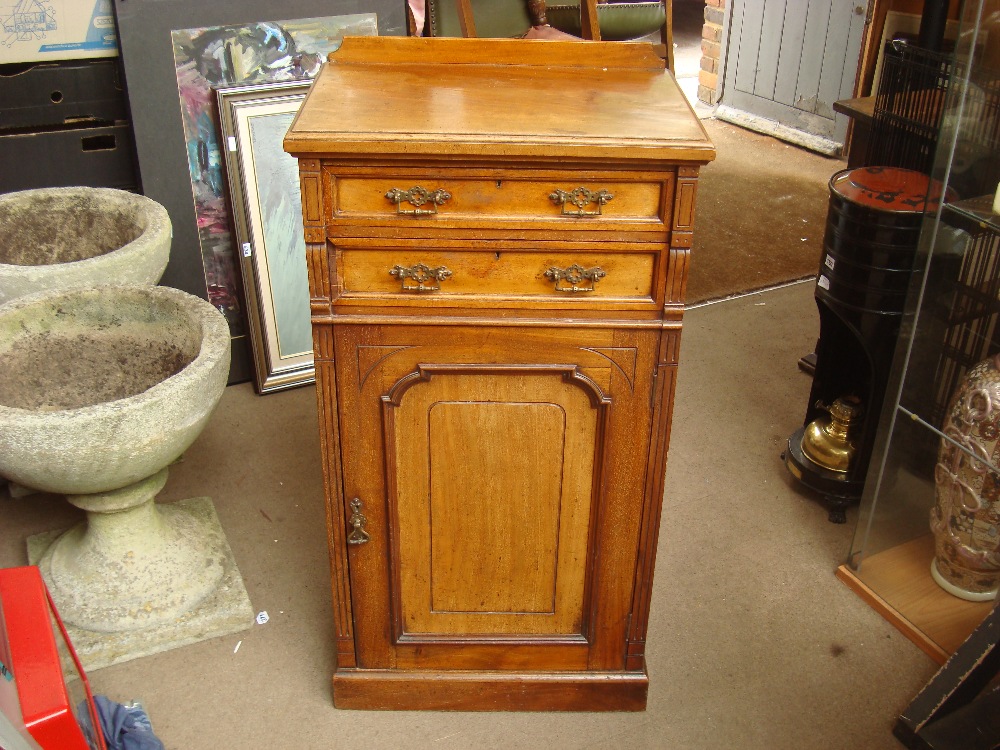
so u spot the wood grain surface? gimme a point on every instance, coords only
(442, 97)
(494, 440)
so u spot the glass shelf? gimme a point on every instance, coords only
(951, 322)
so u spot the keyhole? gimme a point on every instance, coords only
(498, 255)
(499, 184)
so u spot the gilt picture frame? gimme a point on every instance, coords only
(263, 184)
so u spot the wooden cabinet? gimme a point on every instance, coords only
(497, 283)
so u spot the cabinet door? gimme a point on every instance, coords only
(502, 474)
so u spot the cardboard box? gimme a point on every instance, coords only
(97, 157)
(34, 30)
(57, 94)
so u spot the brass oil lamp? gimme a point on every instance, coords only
(827, 441)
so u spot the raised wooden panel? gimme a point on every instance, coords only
(311, 188)
(491, 537)
(684, 204)
(494, 514)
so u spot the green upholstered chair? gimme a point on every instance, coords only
(527, 18)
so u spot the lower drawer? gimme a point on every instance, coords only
(484, 278)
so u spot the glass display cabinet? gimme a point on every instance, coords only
(937, 453)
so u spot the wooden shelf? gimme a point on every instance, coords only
(897, 583)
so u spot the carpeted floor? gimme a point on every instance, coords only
(753, 643)
(761, 214)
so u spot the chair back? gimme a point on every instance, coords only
(499, 18)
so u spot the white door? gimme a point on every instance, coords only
(788, 61)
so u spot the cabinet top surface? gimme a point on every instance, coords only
(498, 99)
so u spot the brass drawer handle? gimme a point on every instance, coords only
(427, 279)
(575, 275)
(575, 202)
(418, 197)
(357, 521)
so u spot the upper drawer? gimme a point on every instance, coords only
(422, 199)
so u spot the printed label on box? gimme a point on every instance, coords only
(34, 30)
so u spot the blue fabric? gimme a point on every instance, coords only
(124, 727)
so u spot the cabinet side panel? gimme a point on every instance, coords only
(311, 188)
(326, 398)
(650, 528)
(681, 237)
(623, 491)
(363, 359)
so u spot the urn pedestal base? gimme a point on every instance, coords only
(225, 610)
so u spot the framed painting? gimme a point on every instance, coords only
(206, 58)
(267, 226)
(173, 53)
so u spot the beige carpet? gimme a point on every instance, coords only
(753, 643)
(760, 216)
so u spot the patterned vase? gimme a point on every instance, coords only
(966, 515)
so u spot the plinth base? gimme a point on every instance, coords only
(837, 490)
(419, 690)
(227, 610)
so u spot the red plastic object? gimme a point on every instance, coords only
(889, 189)
(33, 656)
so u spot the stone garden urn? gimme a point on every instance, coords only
(80, 236)
(77, 236)
(100, 389)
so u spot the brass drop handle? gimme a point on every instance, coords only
(574, 276)
(575, 202)
(427, 279)
(357, 521)
(418, 197)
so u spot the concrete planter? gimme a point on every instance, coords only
(80, 236)
(103, 388)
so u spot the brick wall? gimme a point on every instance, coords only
(711, 54)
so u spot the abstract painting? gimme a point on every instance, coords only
(208, 58)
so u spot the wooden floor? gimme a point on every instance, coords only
(897, 583)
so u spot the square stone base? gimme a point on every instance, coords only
(227, 610)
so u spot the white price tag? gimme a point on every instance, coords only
(829, 262)
(232, 143)
(247, 250)
(823, 282)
